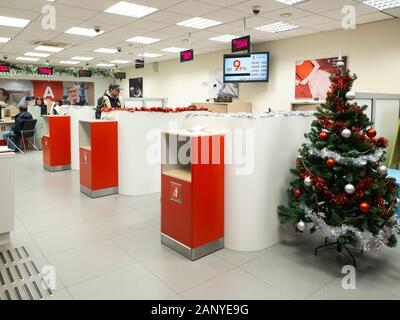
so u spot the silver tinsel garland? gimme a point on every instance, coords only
(358, 162)
(366, 242)
(251, 116)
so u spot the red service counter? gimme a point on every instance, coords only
(98, 141)
(192, 193)
(56, 143)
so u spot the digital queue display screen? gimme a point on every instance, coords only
(187, 55)
(241, 44)
(45, 71)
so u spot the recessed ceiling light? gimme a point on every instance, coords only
(145, 40)
(120, 61)
(291, 2)
(106, 50)
(199, 23)
(49, 49)
(27, 59)
(105, 65)
(150, 55)
(69, 62)
(4, 40)
(83, 32)
(13, 22)
(82, 58)
(383, 4)
(130, 9)
(224, 38)
(277, 27)
(37, 54)
(174, 49)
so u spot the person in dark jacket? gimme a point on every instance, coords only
(110, 99)
(15, 132)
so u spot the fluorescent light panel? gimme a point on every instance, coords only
(4, 40)
(130, 9)
(49, 49)
(83, 32)
(37, 54)
(291, 2)
(145, 40)
(82, 58)
(224, 38)
(383, 4)
(174, 49)
(120, 61)
(13, 22)
(69, 62)
(106, 50)
(277, 27)
(27, 59)
(150, 55)
(199, 23)
(105, 65)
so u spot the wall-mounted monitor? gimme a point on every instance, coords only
(4, 68)
(252, 67)
(45, 71)
(187, 55)
(85, 73)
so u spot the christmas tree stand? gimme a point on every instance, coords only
(339, 248)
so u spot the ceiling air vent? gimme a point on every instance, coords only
(49, 43)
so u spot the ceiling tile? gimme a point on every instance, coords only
(266, 6)
(159, 4)
(294, 14)
(394, 12)
(167, 17)
(361, 9)
(373, 17)
(98, 5)
(318, 6)
(193, 8)
(310, 21)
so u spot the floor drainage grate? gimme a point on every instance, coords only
(20, 278)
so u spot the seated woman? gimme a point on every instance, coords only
(43, 107)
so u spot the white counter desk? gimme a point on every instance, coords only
(139, 148)
(77, 113)
(255, 184)
(7, 195)
(256, 181)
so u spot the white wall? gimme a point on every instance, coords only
(373, 50)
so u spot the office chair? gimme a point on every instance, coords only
(27, 131)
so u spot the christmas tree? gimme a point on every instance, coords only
(342, 187)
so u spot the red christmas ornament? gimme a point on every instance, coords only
(323, 136)
(297, 193)
(330, 163)
(371, 133)
(365, 207)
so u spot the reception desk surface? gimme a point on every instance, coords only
(226, 107)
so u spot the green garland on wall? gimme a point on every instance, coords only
(66, 71)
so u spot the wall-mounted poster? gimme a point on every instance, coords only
(78, 93)
(219, 89)
(18, 93)
(136, 88)
(313, 77)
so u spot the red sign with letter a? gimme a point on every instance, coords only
(52, 90)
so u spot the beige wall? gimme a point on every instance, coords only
(373, 50)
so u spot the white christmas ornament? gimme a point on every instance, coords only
(351, 95)
(398, 202)
(301, 226)
(340, 63)
(322, 214)
(346, 133)
(383, 170)
(350, 189)
(308, 182)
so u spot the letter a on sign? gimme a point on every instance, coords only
(48, 93)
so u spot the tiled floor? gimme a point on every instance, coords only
(109, 248)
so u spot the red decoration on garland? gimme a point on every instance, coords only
(371, 133)
(155, 109)
(323, 136)
(297, 193)
(330, 163)
(365, 207)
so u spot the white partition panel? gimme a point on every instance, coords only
(387, 120)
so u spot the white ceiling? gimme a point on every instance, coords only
(312, 16)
